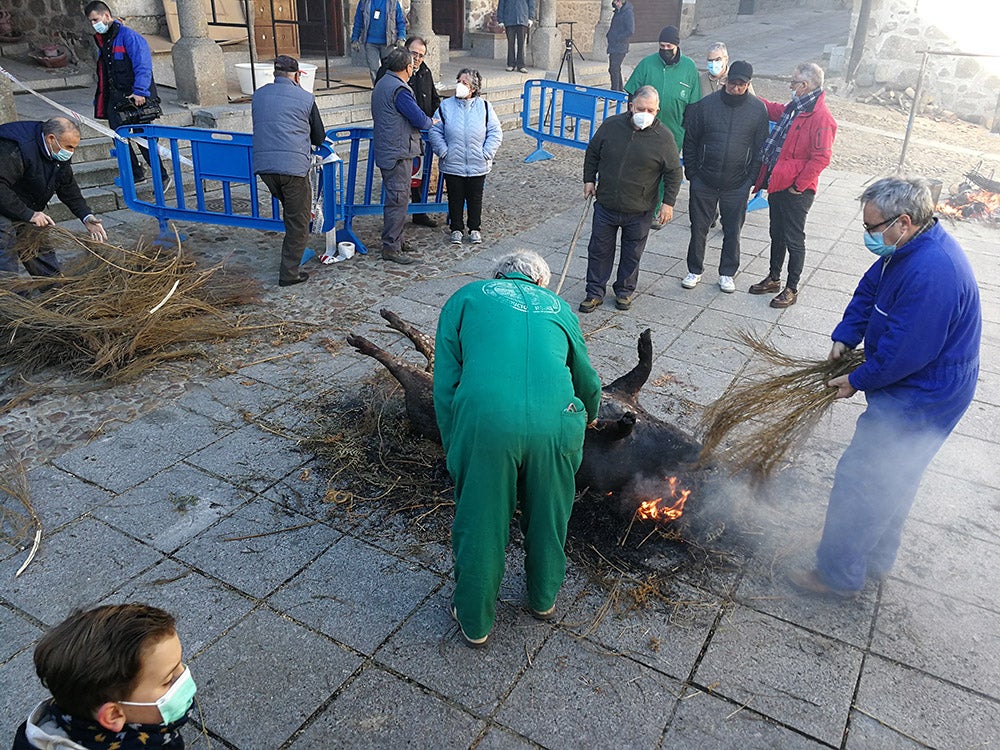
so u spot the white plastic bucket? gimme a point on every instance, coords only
(265, 74)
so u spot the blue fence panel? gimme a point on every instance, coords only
(363, 194)
(564, 113)
(215, 169)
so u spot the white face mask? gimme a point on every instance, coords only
(462, 91)
(643, 120)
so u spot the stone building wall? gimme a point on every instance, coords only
(42, 20)
(897, 33)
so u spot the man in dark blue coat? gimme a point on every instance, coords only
(124, 75)
(917, 310)
(619, 34)
(286, 124)
(34, 166)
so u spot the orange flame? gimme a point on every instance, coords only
(669, 511)
(971, 204)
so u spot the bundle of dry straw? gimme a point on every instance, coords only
(779, 411)
(114, 312)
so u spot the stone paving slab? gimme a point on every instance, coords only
(251, 551)
(575, 695)
(917, 706)
(263, 650)
(801, 679)
(379, 710)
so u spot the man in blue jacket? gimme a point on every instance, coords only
(286, 123)
(376, 31)
(124, 75)
(917, 310)
(619, 34)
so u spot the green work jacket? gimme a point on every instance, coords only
(678, 85)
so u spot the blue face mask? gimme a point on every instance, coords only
(62, 154)
(100, 27)
(875, 242)
(715, 67)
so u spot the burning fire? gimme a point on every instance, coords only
(670, 510)
(971, 204)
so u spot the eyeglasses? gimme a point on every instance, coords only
(798, 82)
(716, 59)
(870, 228)
(418, 55)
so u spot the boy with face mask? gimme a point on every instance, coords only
(117, 681)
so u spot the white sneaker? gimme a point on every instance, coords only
(727, 284)
(456, 238)
(476, 237)
(691, 280)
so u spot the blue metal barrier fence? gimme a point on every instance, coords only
(213, 180)
(566, 114)
(361, 198)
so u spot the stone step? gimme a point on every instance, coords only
(100, 199)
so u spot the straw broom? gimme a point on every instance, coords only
(779, 411)
(114, 312)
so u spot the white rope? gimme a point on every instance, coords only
(81, 119)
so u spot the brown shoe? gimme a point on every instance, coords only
(590, 304)
(785, 299)
(766, 286)
(809, 582)
(624, 303)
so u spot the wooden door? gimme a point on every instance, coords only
(275, 38)
(313, 37)
(449, 18)
(653, 15)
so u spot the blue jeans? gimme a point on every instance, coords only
(873, 489)
(601, 250)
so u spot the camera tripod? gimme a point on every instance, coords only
(567, 56)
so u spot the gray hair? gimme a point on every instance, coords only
(717, 46)
(647, 92)
(526, 262)
(812, 73)
(474, 76)
(58, 126)
(895, 196)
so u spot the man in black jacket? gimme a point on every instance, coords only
(619, 34)
(425, 92)
(630, 153)
(723, 135)
(34, 165)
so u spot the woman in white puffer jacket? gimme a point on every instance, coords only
(466, 136)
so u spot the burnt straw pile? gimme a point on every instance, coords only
(114, 312)
(765, 418)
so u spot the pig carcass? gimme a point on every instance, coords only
(627, 444)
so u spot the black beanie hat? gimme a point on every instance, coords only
(740, 70)
(670, 35)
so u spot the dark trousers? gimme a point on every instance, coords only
(43, 263)
(462, 192)
(788, 233)
(615, 69)
(732, 208)
(515, 45)
(601, 250)
(295, 196)
(396, 185)
(115, 122)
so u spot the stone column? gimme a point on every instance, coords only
(546, 41)
(600, 47)
(8, 112)
(199, 66)
(422, 24)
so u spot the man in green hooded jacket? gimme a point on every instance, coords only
(513, 393)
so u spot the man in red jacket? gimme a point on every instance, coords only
(794, 154)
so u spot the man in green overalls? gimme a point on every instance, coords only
(513, 392)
